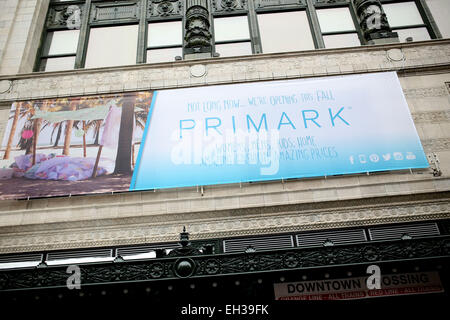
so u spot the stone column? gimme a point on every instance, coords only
(373, 22)
(198, 38)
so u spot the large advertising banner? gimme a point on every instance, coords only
(277, 130)
(208, 135)
(71, 146)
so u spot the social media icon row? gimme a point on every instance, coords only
(386, 157)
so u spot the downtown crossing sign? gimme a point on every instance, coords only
(277, 130)
(209, 135)
(356, 287)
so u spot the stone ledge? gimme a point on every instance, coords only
(398, 209)
(184, 63)
(259, 211)
(250, 68)
(28, 92)
(291, 192)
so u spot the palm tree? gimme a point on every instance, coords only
(27, 112)
(45, 105)
(68, 129)
(13, 130)
(56, 126)
(95, 125)
(55, 106)
(142, 107)
(123, 159)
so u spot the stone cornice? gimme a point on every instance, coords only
(239, 222)
(418, 58)
(340, 51)
(138, 205)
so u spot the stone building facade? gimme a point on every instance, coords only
(235, 210)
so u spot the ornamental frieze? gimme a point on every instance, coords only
(229, 264)
(164, 8)
(114, 11)
(434, 116)
(229, 5)
(217, 225)
(65, 16)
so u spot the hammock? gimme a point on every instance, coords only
(87, 114)
(97, 113)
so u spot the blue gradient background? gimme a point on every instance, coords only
(374, 106)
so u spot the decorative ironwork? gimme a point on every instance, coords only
(197, 37)
(228, 264)
(184, 267)
(65, 16)
(229, 5)
(290, 260)
(186, 248)
(114, 11)
(157, 270)
(373, 20)
(165, 8)
(210, 266)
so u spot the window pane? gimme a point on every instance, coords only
(234, 49)
(231, 28)
(402, 14)
(58, 64)
(418, 34)
(440, 9)
(285, 31)
(337, 19)
(112, 46)
(341, 40)
(163, 55)
(164, 34)
(61, 42)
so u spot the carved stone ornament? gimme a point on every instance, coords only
(395, 54)
(372, 19)
(5, 85)
(434, 116)
(114, 11)
(229, 5)
(159, 228)
(165, 8)
(198, 70)
(198, 37)
(65, 16)
(427, 92)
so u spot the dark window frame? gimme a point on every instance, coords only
(237, 13)
(42, 55)
(281, 9)
(150, 20)
(45, 55)
(425, 14)
(352, 12)
(251, 12)
(104, 25)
